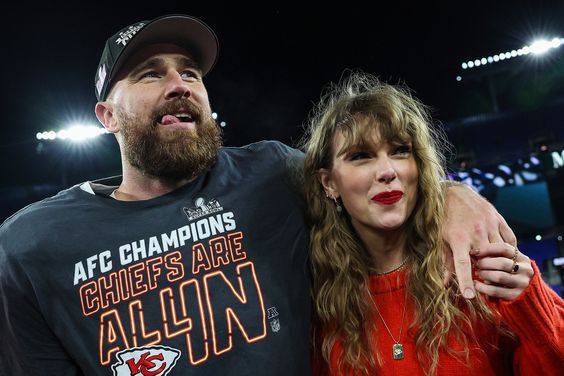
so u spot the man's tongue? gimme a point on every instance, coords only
(169, 119)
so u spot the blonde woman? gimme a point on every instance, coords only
(373, 171)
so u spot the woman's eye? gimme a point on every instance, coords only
(403, 150)
(358, 155)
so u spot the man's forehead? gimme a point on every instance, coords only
(155, 51)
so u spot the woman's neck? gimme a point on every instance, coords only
(386, 248)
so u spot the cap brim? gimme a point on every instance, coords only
(184, 31)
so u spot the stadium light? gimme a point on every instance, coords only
(542, 46)
(75, 133)
(79, 132)
(538, 47)
(215, 116)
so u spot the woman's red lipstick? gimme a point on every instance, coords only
(388, 197)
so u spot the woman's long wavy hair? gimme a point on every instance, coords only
(343, 306)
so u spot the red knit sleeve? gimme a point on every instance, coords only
(537, 318)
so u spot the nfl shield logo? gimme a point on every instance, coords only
(275, 325)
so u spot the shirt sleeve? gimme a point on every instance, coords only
(28, 345)
(537, 318)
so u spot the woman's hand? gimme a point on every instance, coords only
(504, 272)
(471, 223)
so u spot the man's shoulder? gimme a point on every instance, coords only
(269, 159)
(265, 146)
(265, 153)
(46, 209)
(31, 225)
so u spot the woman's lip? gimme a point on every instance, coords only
(388, 197)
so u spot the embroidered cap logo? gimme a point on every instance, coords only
(125, 36)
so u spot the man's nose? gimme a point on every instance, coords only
(176, 87)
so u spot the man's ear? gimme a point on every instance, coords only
(105, 114)
(328, 184)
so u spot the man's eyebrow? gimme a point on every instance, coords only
(185, 61)
(151, 63)
(156, 62)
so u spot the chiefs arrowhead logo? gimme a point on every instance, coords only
(145, 361)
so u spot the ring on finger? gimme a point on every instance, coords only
(515, 266)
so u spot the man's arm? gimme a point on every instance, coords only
(470, 222)
(28, 345)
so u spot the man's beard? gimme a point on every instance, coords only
(172, 154)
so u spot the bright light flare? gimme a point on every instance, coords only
(75, 133)
(541, 46)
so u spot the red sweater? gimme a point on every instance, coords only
(536, 317)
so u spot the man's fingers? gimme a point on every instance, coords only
(495, 236)
(471, 222)
(449, 265)
(494, 249)
(463, 269)
(479, 236)
(506, 233)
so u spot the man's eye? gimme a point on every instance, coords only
(149, 74)
(188, 74)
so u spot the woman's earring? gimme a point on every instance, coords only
(337, 205)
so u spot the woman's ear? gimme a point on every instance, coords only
(105, 114)
(328, 184)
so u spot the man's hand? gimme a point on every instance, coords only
(471, 222)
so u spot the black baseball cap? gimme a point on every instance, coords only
(182, 30)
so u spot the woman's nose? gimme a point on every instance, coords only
(386, 172)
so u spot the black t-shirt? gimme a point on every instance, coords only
(209, 279)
